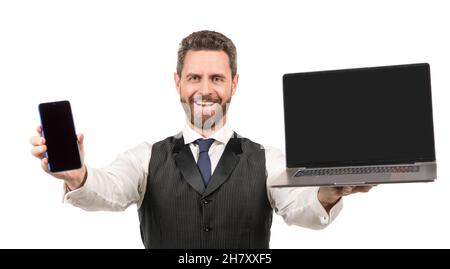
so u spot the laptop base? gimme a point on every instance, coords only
(426, 172)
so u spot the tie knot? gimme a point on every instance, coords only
(204, 144)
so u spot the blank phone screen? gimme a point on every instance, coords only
(59, 132)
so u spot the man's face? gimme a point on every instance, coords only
(206, 87)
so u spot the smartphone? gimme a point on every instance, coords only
(58, 129)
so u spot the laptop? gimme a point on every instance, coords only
(359, 126)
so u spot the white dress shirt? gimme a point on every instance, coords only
(123, 183)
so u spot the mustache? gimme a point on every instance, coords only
(205, 98)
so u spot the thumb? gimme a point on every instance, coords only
(80, 138)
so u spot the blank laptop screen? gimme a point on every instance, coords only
(378, 115)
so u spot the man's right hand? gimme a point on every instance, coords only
(73, 178)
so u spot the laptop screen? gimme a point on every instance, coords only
(379, 115)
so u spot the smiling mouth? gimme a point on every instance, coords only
(203, 103)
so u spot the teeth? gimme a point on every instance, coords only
(199, 103)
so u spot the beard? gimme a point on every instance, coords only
(206, 111)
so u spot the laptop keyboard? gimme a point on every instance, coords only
(357, 170)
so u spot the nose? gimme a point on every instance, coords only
(206, 87)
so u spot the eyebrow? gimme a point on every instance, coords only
(219, 75)
(192, 74)
(213, 75)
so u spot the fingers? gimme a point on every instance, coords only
(346, 190)
(39, 148)
(338, 191)
(39, 151)
(334, 191)
(362, 188)
(37, 141)
(39, 130)
(44, 164)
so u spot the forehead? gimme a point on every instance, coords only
(206, 61)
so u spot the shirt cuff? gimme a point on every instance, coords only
(324, 217)
(82, 193)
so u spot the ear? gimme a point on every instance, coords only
(177, 80)
(234, 84)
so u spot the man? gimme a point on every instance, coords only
(206, 187)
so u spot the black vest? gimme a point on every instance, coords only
(231, 212)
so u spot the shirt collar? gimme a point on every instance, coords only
(222, 135)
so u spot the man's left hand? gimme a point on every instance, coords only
(329, 196)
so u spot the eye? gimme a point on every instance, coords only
(193, 78)
(217, 79)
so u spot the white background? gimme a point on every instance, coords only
(114, 60)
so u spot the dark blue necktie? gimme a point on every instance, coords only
(204, 163)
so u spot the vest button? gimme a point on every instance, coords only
(206, 229)
(206, 201)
